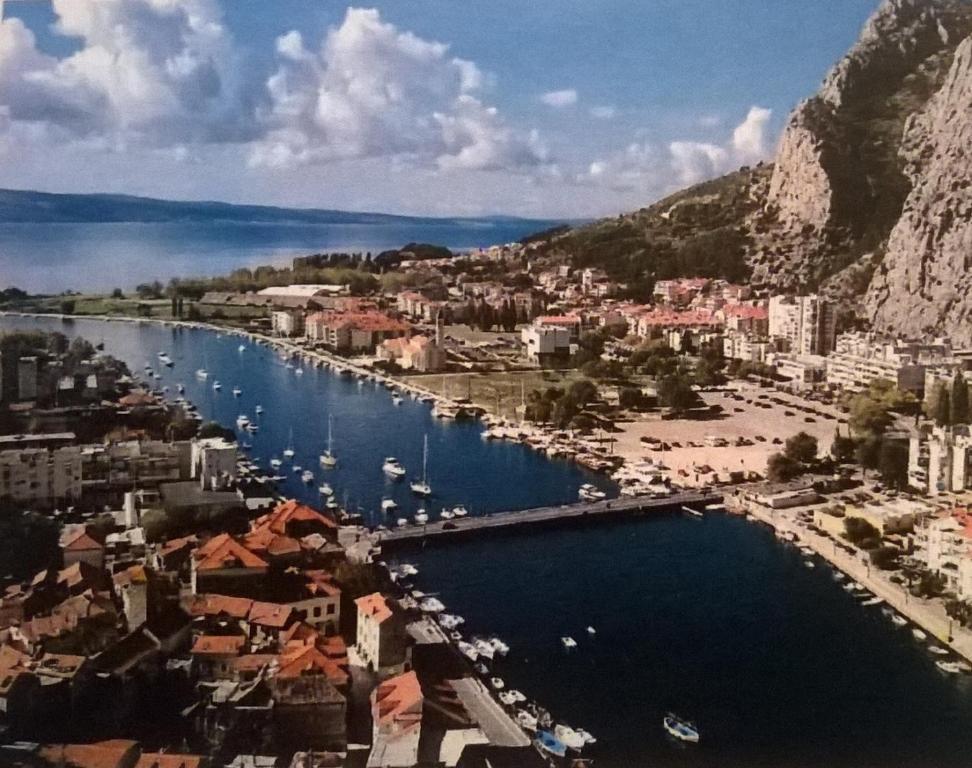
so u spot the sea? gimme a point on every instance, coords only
(93, 257)
(713, 619)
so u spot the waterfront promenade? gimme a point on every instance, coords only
(927, 614)
(581, 511)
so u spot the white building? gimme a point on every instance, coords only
(807, 323)
(287, 322)
(213, 462)
(40, 476)
(946, 544)
(546, 343)
(940, 459)
(380, 639)
(859, 359)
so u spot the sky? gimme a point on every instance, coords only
(546, 108)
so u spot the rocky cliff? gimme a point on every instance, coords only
(868, 199)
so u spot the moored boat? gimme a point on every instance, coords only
(680, 729)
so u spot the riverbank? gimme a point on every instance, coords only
(926, 614)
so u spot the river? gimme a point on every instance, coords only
(714, 618)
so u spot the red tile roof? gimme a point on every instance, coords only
(224, 551)
(115, 753)
(168, 760)
(271, 615)
(375, 606)
(218, 645)
(398, 702)
(80, 541)
(220, 605)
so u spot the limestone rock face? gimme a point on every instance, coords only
(924, 283)
(838, 183)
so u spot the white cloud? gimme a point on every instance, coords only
(154, 71)
(642, 168)
(710, 121)
(560, 99)
(749, 141)
(603, 112)
(375, 91)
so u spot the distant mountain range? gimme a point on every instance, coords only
(25, 206)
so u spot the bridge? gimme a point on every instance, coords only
(585, 511)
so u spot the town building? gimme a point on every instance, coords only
(415, 353)
(381, 637)
(546, 344)
(353, 332)
(940, 459)
(396, 713)
(287, 322)
(41, 476)
(861, 358)
(213, 462)
(807, 323)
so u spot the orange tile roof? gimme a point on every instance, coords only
(224, 551)
(114, 753)
(80, 541)
(300, 660)
(270, 614)
(292, 511)
(220, 605)
(218, 645)
(321, 583)
(168, 760)
(174, 545)
(375, 606)
(398, 701)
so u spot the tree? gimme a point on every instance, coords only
(884, 558)
(631, 397)
(869, 452)
(28, 544)
(212, 429)
(152, 290)
(67, 306)
(801, 448)
(959, 400)
(943, 407)
(675, 392)
(893, 463)
(117, 294)
(860, 532)
(780, 468)
(843, 449)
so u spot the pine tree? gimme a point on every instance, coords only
(943, 408)
(959, 401)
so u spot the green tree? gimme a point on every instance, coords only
(943, 407)
(959, 400)
(801, 448)
(893, 463)
(212, 429)
(869, 452)
(860, 532)
(675, 392)
(884, 558)
(843, 449)
(780, 468)
(117, 294)
(67, 306)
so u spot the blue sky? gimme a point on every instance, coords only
(546, 108)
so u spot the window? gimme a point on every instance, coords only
(317, 611)
(330, 609)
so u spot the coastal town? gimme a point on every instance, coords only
(168, 605)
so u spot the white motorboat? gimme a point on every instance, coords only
(242, 421)
(568, 642)
(297, 469)
(588, 492)
(241, 348)
(809, 564)
(446, 514)
(331, 503)
(919, 635)
(431, 605)
(252, 428)
(397, 399)
(388, 505)
(451, 621)
(497, 683)
(181, 387)
(258, 410)
(422, 487)
(483, 648)
(460, 511)
(680, 729)
(586, 736)
(499, 646)
(393, 468)
(328, 459)
(298, 371)
(217, 386)
(467, 650)
(873, 601)
(401, 522)
(288, 452)
(518, 697)
(525, 720)
(202, 373)
(507, 699)
(898, 620)
(237, 391)
(937, 650)
(591, 631)
(569, 736)
(421, 517)
(276, 463)
(325, 489)
(953, 667)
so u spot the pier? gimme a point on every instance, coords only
(581, 511)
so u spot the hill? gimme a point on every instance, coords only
(869, 198)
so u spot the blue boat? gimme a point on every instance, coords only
(680, 729)
(549, 743)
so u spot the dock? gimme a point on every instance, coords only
(586, 511)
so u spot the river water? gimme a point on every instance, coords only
(712, 618)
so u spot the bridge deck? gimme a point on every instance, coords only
(582, 510)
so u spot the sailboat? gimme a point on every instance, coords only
(422, 487)
(288, 452)
(328, 459)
